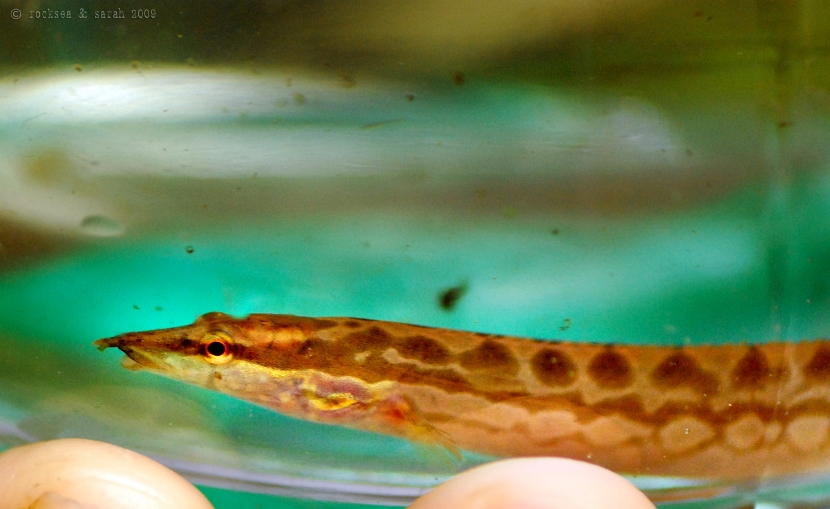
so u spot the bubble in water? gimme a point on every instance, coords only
(99, 225)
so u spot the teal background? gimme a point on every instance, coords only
(702, 275)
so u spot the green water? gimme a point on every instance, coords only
(701, 275)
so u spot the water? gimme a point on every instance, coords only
(651, 174)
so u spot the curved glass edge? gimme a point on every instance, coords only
(235, 275)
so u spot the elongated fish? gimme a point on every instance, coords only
(727, 412)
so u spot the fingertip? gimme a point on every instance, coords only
(83, 474)
(536, 483)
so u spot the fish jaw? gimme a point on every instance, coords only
(135, 359)
(128, 363)
(150, 352)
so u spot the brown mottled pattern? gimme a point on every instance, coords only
(553, 367)
(610, 369)
(489, 355)
(423, 349)
(752, 371)
(731, 411)
(818, 369)
(679, 370)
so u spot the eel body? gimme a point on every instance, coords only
(727, 412)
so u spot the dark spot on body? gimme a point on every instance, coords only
(553, 367)
(818, 369)
(352, 324)
(450, 297)
(752, 371)
(321, 324)
(490, 355)
(410, 97)
(555, 231)
(186, 343)
(373, 338)
(217, 375)
(458, 78)
(610, 370)
(182, 344)
(681, 370)
(423, 349)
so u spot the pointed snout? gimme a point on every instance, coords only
(105, 343)
(134, 358)
(120, 341)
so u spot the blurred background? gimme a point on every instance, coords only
(626, 171)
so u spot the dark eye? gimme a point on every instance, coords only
(217, 348)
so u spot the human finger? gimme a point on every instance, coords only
(84, 474)
(536, 483)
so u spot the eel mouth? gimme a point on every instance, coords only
(105, 343)
(134, 359)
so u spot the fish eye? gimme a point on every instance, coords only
(217, 348)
